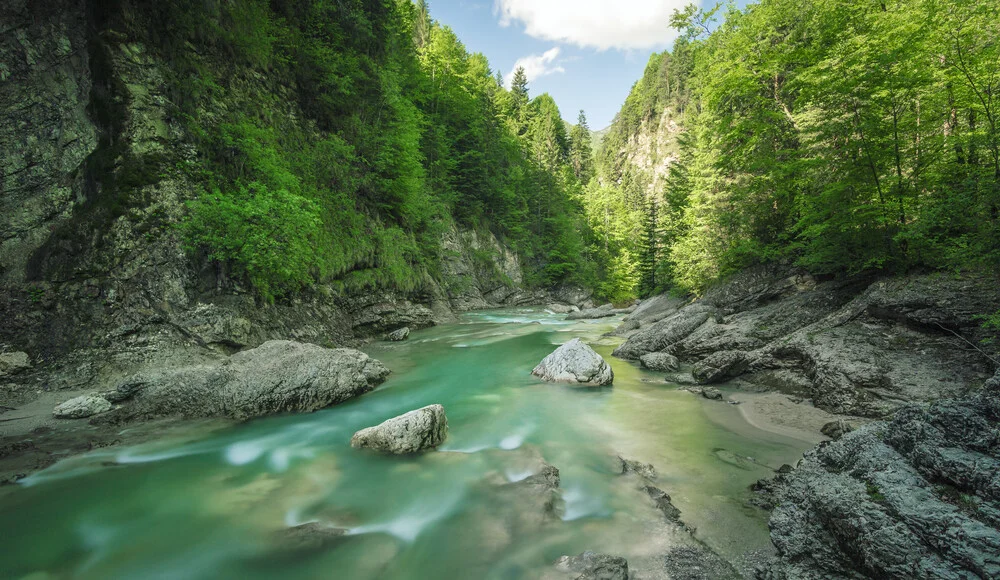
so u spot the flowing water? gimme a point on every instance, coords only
(214, 506)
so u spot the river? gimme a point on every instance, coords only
(211, 505)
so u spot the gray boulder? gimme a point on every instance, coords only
(575, 362)
(82, 407)
(720, 366)
(603, 311)
(662, 501)
(277, 377)
(591, 566)
(14, 362)
(412, 432)
(398, 335)
(309, 537)
(660, 362)
(660, 335)
(561, 308)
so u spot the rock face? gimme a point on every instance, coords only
(412, 432)
(591, 566)
(14, 362)
(853, 346)
(918, 497)
(276, 377)
(398, 335)
(605, 311)
(575, 362)
(82, 407)
(837, 429)
(660, 361)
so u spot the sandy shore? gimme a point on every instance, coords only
(778, 413)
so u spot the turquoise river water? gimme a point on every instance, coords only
(211, 505)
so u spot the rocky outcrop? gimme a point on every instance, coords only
(398, 335)
(561, 308)
(643, 470)
(917, 497)
(413, 432)
(575, 362)
(605, 311)
(82, 407)
(852, 346)
(276, 377)
(309, 537)
(591, 566)
(662, 501)
(837, 429)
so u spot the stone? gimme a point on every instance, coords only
(398, 335)
(279, 376)
(711, 393)
(837, 429)
(661, 500)
(603, 311)
(561, 308)
(413, 432)
(124, 391)
(309, 537)
(14, 362)
(720, 366)
(575, 362)
(591, 566)
(82, 407)
(660, 361)
(643, 470)
(660, 335)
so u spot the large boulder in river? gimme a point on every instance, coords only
(411, 432)
(277, 377)
(575, 362)
(82, 407)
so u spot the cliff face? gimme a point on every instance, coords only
(90, 258)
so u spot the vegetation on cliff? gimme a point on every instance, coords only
(845, 137)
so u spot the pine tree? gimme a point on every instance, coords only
(581, 153)
(649, 246)
(422, 27)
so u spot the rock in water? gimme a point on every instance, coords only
(591, 566)
(398, 335)
(561, 308)
(661, 500)
(643, 470)
(575, 362)
(307, 537)
(411, 432)
(82, 407)
(711, 393)
(659, 361)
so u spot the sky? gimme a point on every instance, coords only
(587, 54)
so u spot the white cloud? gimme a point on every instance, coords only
(537, 65)
(601, 24)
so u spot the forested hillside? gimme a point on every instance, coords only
(843, 137)
(406, 133)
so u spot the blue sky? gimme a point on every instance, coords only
(585, 53)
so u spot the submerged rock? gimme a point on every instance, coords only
(591, 566)
(412, 432)
(575, 362)
(660, 361)
(711, 393)
(644, 470)
(398, 335)
(82, 407)
(309, 537)
(661, 500)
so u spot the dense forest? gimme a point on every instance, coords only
(407, 134)
(845, 137)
